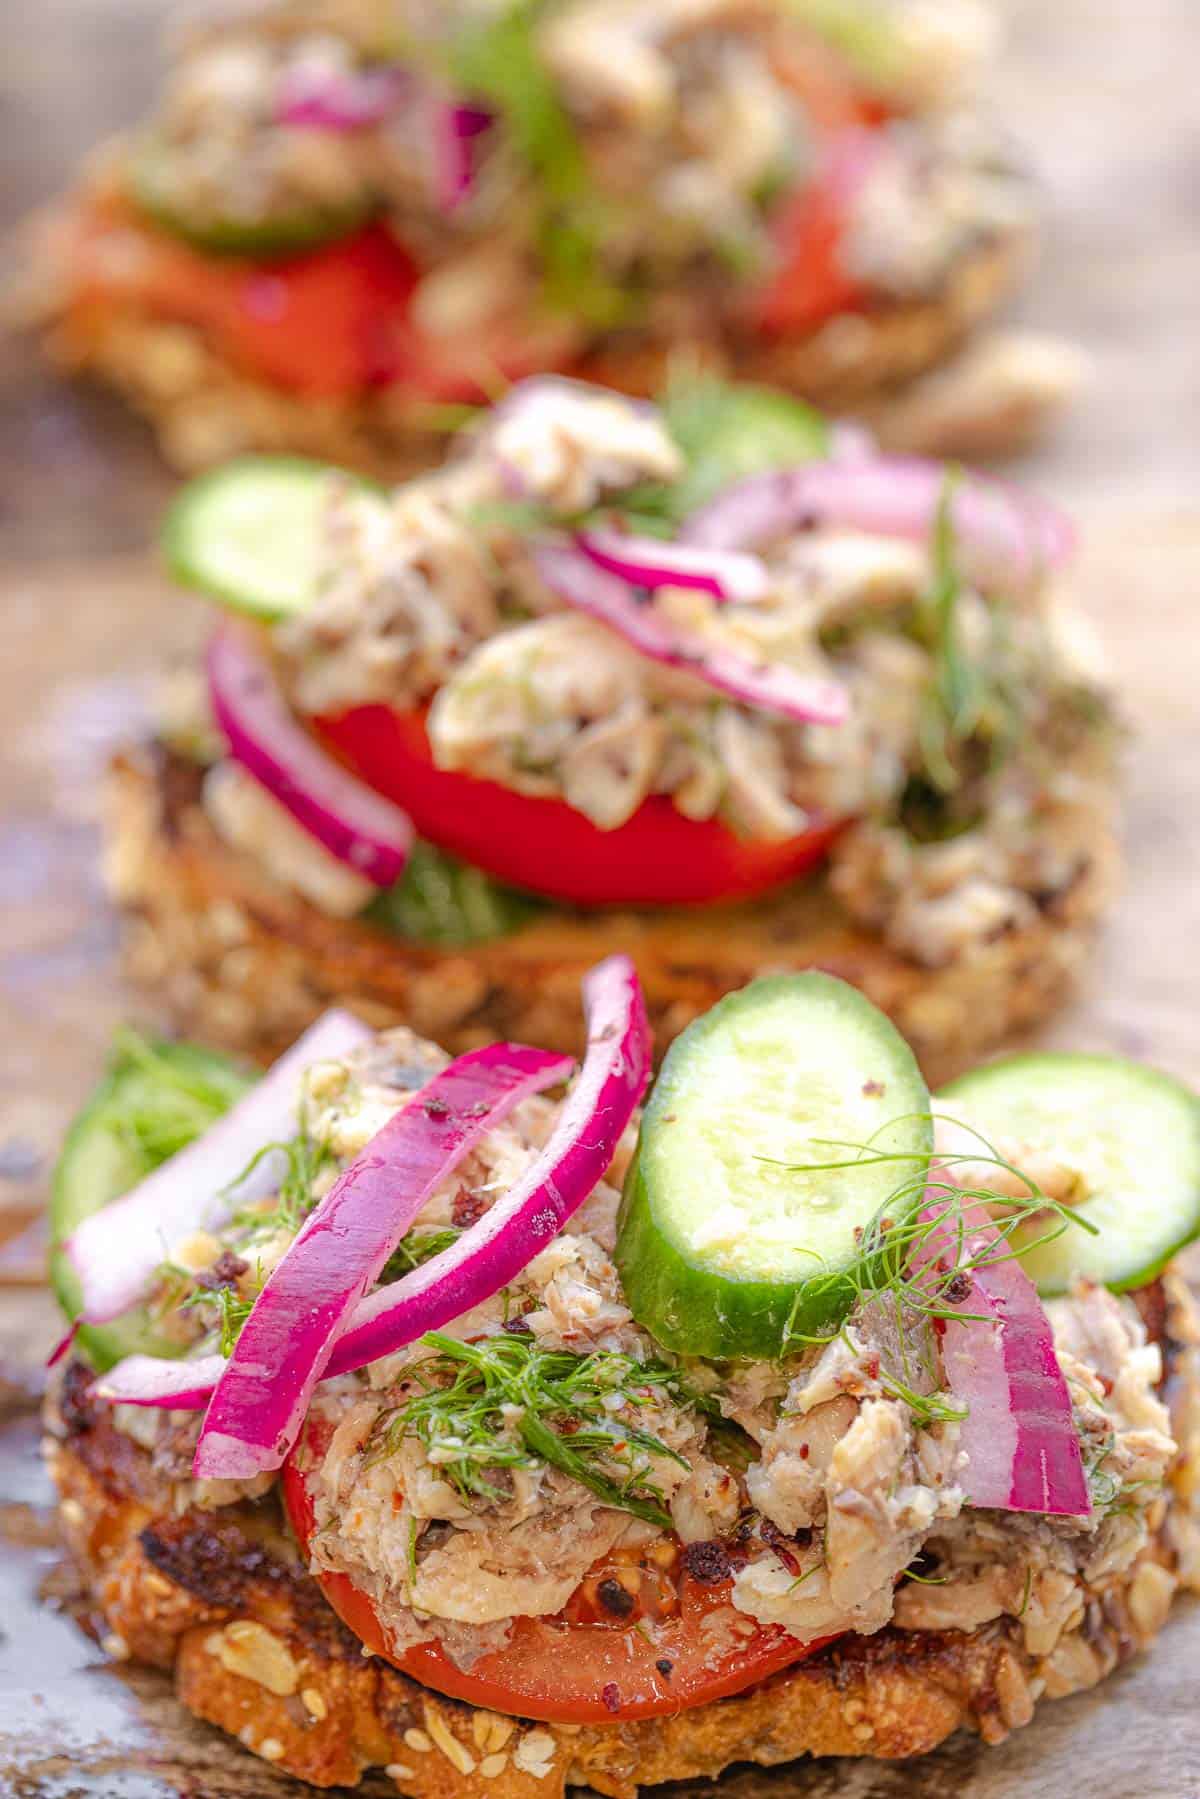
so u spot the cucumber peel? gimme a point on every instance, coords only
(1132, 1132)
(785, 1124)
(156, 1098)
(248, 534)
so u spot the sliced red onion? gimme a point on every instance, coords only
(154, 1381)
(117, 1252)
(62, 1346)
(332, 100)
(647, 562)
(355, 824)
(1003, 534)
(614, 1076)
(767, 686)
(263, 1393)
(1022, 1449)
(453, 129)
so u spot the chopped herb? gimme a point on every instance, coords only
(970, 712)
(881, 1267)
(496, 59)
(417, 1247)
(305, 1161)
(505, 1403)
(441, 900)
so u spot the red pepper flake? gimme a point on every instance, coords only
(468, 1207)
(610, 1694)
(803, 1452)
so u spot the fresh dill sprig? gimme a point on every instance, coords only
(969, 718)
(305, 1161)
(232, 1310)
(417, 1247)
(506, 1402)
(496, 58)
(892, 1263)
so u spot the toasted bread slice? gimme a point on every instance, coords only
(245, 963)
(220, 1597)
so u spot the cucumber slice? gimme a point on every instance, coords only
(248, 534)
(154, 1100)
(724, 1250)
(1134, 1134)
(730, 430)
(153, 190)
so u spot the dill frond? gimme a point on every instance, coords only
(505, 1402)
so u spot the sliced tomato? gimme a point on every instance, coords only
(657, 858)
(810, 282)
(331, 322)
(656, 1660)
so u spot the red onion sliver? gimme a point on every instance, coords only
(261, 1398)
(328, 100)
(647, 562)
(62, 1346)
(453, 129)
(614, 1076)
(356, 825)
(768, 687)
(116, 1253)
(1003, 534)
(156, 1381)
(1019, 1436)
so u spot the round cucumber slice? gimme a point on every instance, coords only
(155, 1099)
(734, 1240)
(286, 233)
(1132, 1132)
(248, 534)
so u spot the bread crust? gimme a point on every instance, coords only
(222, 1600)
(203, 409)
(244, 963)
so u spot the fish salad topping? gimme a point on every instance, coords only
(635, 164)
(544, 1454)
(908, 680)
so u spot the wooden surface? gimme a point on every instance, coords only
(1104, 96)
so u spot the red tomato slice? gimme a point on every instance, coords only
(563, 1668)
(324, 323)
(331, 322)
(809, 284)
(657, 858)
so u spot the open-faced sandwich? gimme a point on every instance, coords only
(343, 216)
(418, 1419)
(584, 690)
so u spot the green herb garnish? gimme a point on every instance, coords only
(881, 1271)
(505, 1402)
(417, 1247)
(496, 59)
(441, 900)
